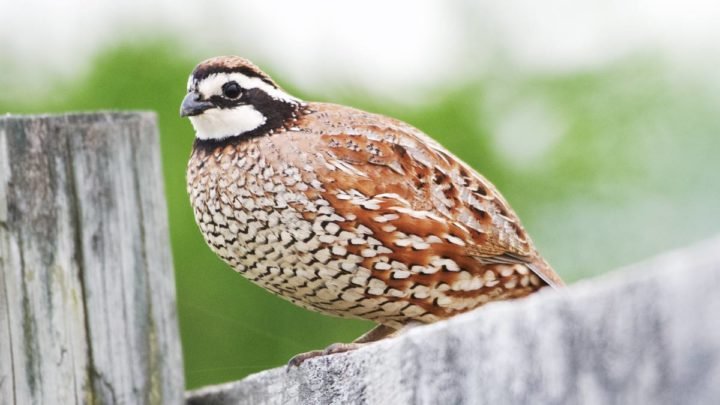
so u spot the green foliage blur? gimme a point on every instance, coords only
(605, 168)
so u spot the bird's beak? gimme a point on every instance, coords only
(193, 105)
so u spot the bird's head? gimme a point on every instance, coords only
(229, 96)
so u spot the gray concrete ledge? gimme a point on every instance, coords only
(647, 334)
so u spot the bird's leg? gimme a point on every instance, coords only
(373, 335)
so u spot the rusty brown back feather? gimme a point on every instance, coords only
(418, 188)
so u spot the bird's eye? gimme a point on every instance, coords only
(231, 90)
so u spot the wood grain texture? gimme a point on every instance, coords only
(645, 335)
(87, 293)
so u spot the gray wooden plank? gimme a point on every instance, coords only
(643, 335)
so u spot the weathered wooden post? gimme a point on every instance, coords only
(87, 294)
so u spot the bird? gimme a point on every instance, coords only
(347, 212)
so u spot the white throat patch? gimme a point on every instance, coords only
(221, 123)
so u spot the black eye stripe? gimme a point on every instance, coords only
(224, 102)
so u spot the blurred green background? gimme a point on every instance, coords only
(605, 165)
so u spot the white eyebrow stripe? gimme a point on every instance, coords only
(212, 84)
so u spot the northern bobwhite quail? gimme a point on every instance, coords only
(346, 212)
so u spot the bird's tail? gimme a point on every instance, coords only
(543, 270)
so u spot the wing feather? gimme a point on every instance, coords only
(430, 190)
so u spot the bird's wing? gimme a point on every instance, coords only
(400, 183)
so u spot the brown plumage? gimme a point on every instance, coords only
(346, 212)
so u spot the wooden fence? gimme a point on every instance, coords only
(649, 334)
(88, 314)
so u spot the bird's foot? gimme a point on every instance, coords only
(299, 359)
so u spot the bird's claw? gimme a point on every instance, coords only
(334, 348)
